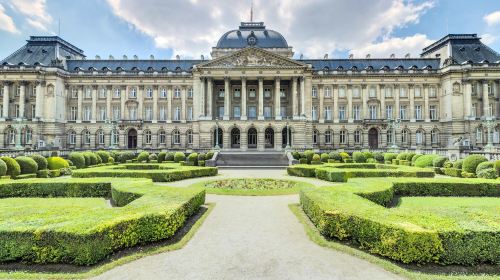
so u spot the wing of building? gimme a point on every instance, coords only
(252, 95)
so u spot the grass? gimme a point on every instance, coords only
(429, 272)
(252, 187)
(177, 242)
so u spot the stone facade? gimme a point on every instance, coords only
(260, 98)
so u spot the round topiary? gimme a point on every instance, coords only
(359, 157)
(56, 163)
(402, 156)
(458, 164)
(368, 154)
(448, 164)
(193, 157)
(371, 160)
(124, 156)
(484, 165)
(309, 155)
(3, 168)
(93, 159)
(98, 159)
(13, 168)
(27, 164)
(201, 156)
(425, 160)
(344, 155)
(439, 161)
(40, 160)
(389, 156)
(324, 157)
(143, 156)
(77, 159)
(179, 156)
(379, 157)
(88, 160)
(161, 157)
(335, 156)
(414, 158)
(471, 162)
(316, 158)
(169, 156)
(153, 157)
(104, 156)
(209, 155)
(295, 155)
(488, 173)
(114, 154)
(410, 156)
(497, 167)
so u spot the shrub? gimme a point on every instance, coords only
(335, 156)
(368, 154)
(27, 164)
(201, 162)
(439, 161)
(379, 157)
(487, 173)
(13, 168)
(41, 161)
(179, 156)
(88, 160)
(115, 155)
(316, 158)
(143, 156)
(371, 160)
(344, 155)
(324, 157)
(209, 155)
(425, 160)
(309, 154)
(468, 174)
(389, 156)
(3, 168)
(458, 164)
(104, 156)
(98, 159)
(410, 156)
(161, 156)
(56, 163)
(93, 159)
(497, 166)
(359, 157)
(303, 161)
(296, 155)
(481, 166)
(193, 158)
(201, 156)
(124, 156)
(42, 173)
(169, 156)
(402, 156)
(471, 162)
(454, 172)
(414, 158)
(77, 159)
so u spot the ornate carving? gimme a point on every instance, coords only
(252, 58)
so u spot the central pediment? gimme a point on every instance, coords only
(252, 57)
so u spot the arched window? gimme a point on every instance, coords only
(189, 135)
(419, 137)
(100, 137)
(343, 137)
(86, 137)
(357, 136)
(252, 138)
(11, 136)
(479, 135)
(176, 137)
(162, 137)
(115, 137)
(147, 137)
(435, 136)
(315, 137)
(72, 137)
(28, 135)
(405, 137)
(328, 137)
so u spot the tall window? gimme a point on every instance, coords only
(162, 137)
(342, 137)
(388, 112)
(341, 113)
(74, 93)
(433, 112)
(328, 92)
(147, 137)
(315, 137)
(87, 113)
(402, 112)
(116, 113)
(132, 113)
(342, 92)
(267, 112)
(102, 113)
(100, 137)
(163, 93)
(314, 92)
(356, 112)
(328, 113)
(252, 112)
(149, 93)
(402, 92)
(419, 137)
(418, 92)
(177, 114)
(432, 92)
(221, 112)
(189, 113)
(373, 92)
(267, 93)
(251, 93)
(404, 137)
(473, 110)
(222, 93)
(314, 113)
(190, 93)
(133, 93)
(115, 137)
(236, 111)
(282, 93)
(163, 113)
(356, 92)
(176, 137)
(11, 136)
(88, 93)
(372, 110)
(16, 108)
(479, 135)
(102, 93)
(388, 92)
(237, 93)
(357, 136)
(389, 138)
(283, 112)
(189, 135)
(118, 93)
(328, 137)
(86, 137)
(33, 110)
(177, 93)
(28, 136)
(434, 136)
(73, 111)
(72, 137)
(418, 112)
(148, 113)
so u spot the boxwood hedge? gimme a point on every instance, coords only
(145, 213)
(13, 168)
(41, 161)
(3, 168)
(357, 212)
(27, 164)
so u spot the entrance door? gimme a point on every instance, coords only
(235, 138)
(269, 138)
(132, 139)
(252, 138)
(373, 138)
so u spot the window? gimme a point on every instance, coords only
(403, 92)
(162, 137)
(237, 93)
(149, 93)
(402, 112)
(357, 136)
(87, 113)
(388, 112)
(373, 112)
(115, 137)
(389, 137)
(433, 112)
(33, 91)
(16, 108)
(343, 137)
(72, 138)
(190, 93)
(176, 137)
(489, 89)
(496, 135)
(432, 92)
(177, 114)
(189, 137)
(314, 114)
(147, 137)
(314, 92)
(102, 93)
(133, 93)
(163, 93)
(118, 93)
(267, 111)
(328, 137)
(282, 93)
(236, 111)
(434, 136)
(116, 113)
(404, 137)
(33, 110)
(148, 113)
(102, 113)
(473, 110)
(100, 137)
(86, 137)
(356, 93)
(28, 136)
(189, 113)
(418, 92)
(373, 92)
(419, 137)
(251, 93)
(221, 112)
(267, 93)
(315, 137)
(341, 113)
(328, 113)
(221, 93)
(1, 110)
(479, 135)
(252, 112)
(328, 92)
(388, 92)
(177, 93)
(356, 112)
(132, 113)
(11, 136)
(18, 90)
(418, 112)
(283, 112)
(163, 113)
(74, 93)
(73, 111)
(490, 109)
(342, 92)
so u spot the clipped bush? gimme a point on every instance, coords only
(88, 160)
(497, 166)
(425, 160)
(389, 156)
(153, 157)
(42, 173)
(439, 161)
(368, 154)
(201, 162)
(3, 168)
(98, 159)
(458, 164)
(169, 156)
(379, 157)
(344, 155)
(296, 155)
(371, 160)
(303, 161)
(414, 158)
(41, 161)
(324, 157)
(114, 154)
(471, 162)
(209, 155)
(179, 156)
(484, 165)
(454, 172)
(93, 159)
(335, 156)
(309, 154)
(487, 173)
(77, 159)
(402, 156)
(161, 157)
(410, 156)
(56, 163)
(193, 158)
(104, 156)
(359, 157)
(124, 156)
(13, 168)
(448, 164)
(27, 164)
(143, 157)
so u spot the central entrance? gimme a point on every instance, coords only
(132, 139)
(235, 138)
(373, 138)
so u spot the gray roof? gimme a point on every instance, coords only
(375, 64)
(133, 65)
(265, 38)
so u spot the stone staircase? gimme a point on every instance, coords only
(252, 159)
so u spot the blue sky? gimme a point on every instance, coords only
(190, 28)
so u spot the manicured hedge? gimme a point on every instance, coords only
(425, 160)
(145, 214)
(484, 165)
(77, 159)
(453, 172)
(161, 157)
(179, 156)
(3, 168)
(356, 212)
(104, 156)
(13, 168)
(471, 162)
(56, 163)
(27, 164)
(359, 157)
(143, 156)
(41, 161)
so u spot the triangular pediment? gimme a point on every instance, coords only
(252, 57)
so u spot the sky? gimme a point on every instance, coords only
(190, 28)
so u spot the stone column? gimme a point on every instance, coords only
(227, 99)
(210, 89)
(277, 99)
(169, 104)
(349, 104)
(123, 99)
(295, 99)
(243, 102)
(243, 140)
(22, 100)
(467, 100)
(364, 98)
(382, 102)
(261, 99)
(278, 140)
(183, 104)
(335, 105)
(94, 105)
(109, 113)
(155, 104)
(140, 137)
(6, 87)
(140, 101)
(411, 92)
(303, 96)
(203, 111)
(426, 104)
(321, 109)
(486, 100)
(79, 116)
(39, 100)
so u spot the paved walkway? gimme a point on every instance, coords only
(250, 238)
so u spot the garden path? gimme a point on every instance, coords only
(250, 237)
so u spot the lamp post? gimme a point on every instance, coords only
(217, 134)
(393, 124)
(489, 123)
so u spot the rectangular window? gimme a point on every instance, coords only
(388, 92)
(222, 93)
(418, 112)
(163, 113)
(402, 92)
(282, 93)
(373, 112)
(148, 113)
(190, 93)
(402, 112)
(189, 113)
(314, 92)
(236, 111)
(342, 113)
(356, 92)
(177, 93)
(163, 93)
(221, 112)
(267, 93)
(132, 93)
(314, 113)
(252, 112)
(283, 112)
(328, 92)
(33, 111)
(433, 112)
(237, 93)
(102, 93)
(356, 112)
(342, 92)
(342, 137)
(74, 93)
(267, 112)
(388, 112)
(149, 93)
(251, 93)
(373, 92)
(328, 113)
(102, 113)
(16, 108)
(87, 113)
(177, 114)
(73, 111)
(473, 110)
(116, 113)
(118, 93)
(132, 113)
(88, 93)
(490, 110)
(418, 92)
(432, 92)
(18, 90)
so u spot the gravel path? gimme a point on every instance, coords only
(247, 237)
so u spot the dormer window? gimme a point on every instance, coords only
(340, 68)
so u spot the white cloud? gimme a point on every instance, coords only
(398, 46)
(492, 18)
(35, 11)
(6, 22)
(488, 39)
(312, 27)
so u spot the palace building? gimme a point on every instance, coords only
(253, 94)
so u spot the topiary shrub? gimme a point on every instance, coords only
(13, 168)
(88, 158)
(389, 156)
(371, 160)
(161, 157)
(209, 155)
(170, 156)
(497, 167)
(193, 158)
(484, 165)
(3, 168)
(344, 156)
(114, 154)
(448, 164)
(179, 156)
(56, 163)
(77, 159)
(296, 155)
(324, 157)
(201, 156)
(359, 157)
(309, 154)
(414, 158)
(124, 156)
(368, 154)
(458, 164)
(425, 160)
(104, 156)
(439, 161)
(153, 157)
(303, 161)
(379, 157)
(98, 159)
(27, 164)
(402, 156)
(143, 157)
(410, 156)
(316, 159)
(41, 161)
(488, 173)
(471, 162)
(335, 156)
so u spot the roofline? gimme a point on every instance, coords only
(57, 39)
(438, 43)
